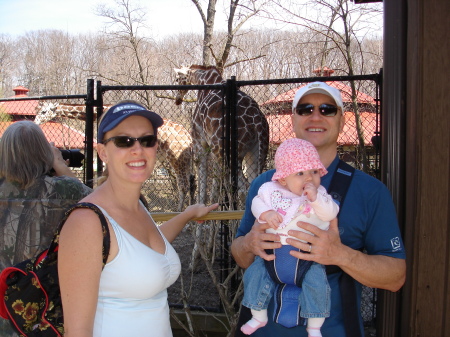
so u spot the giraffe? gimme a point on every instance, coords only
(207, 127)
(175, 143)
(207, 136)
(47, 111)
(175, 146)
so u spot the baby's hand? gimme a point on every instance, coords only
(310, 191)
(272, 218)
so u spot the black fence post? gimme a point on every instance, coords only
(89, 134)
(99, 115)
(232, 148)
(377, 138)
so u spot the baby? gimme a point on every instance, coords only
(293, 195)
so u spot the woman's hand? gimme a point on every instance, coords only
(174, 226)
(199, 210)
(59, 164)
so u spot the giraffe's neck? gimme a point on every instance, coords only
(205, 76)
(73, 111)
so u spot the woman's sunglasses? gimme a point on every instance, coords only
(125, 141)
(327, 110)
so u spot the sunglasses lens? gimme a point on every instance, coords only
(304, 109)
(328, 110)
(148, 141)
(123, 141)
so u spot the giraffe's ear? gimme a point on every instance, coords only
(181, 71)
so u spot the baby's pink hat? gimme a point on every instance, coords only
(296, 155)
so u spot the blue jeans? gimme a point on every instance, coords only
(314, 298)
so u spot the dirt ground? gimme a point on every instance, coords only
(198, 289)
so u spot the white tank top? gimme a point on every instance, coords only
(132, 298)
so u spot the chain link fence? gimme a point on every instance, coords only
(61, 118)
(212, 275)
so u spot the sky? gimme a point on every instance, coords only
(164, 17)
(77, 16)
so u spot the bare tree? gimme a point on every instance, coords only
(8, 63)
(45, 62)
(343, 27)
(125, 21)
(239, 12)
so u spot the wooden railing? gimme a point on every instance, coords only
(219, 215)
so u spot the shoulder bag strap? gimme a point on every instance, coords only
(338, 190)
(340, 182)
(105, 229)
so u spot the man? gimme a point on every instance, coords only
(367, 221)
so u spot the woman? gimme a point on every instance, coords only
(32, 198)
(129, 297)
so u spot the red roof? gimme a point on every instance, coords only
(349, 135)
(281, 128)
(26, 108)
(346, 92)
(62, 135)
(20, 91)
(22, 108)
(20, 88)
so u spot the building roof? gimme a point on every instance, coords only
(62, 135)
(281, 128)
(21, 108)
(20, 91)
(346, 92)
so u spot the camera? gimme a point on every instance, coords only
(75, 157)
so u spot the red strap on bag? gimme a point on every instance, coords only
(3, 286)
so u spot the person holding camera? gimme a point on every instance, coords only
(36, 186)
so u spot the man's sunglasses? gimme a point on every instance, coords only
(327, 110)
(125, 141)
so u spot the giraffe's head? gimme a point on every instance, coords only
(46, 111)
(182, 79)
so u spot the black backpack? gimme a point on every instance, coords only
(30, 289)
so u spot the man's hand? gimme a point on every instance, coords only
(254, 243)
(257, 240)
(326, 246)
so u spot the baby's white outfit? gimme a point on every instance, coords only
(294, 208)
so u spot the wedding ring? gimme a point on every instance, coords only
(310, 248)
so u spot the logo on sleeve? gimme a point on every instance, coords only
(396, 243)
